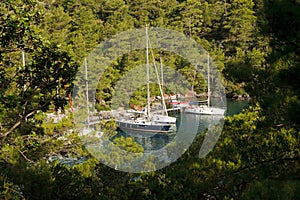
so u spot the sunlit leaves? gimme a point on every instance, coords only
(240, 22)
(15, 22)
(128, 144)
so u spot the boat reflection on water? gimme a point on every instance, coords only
(206, 121)
(149, 140)
(188, 126)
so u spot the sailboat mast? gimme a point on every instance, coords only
(148, 74)
(162, 84)
(87, 92)
(162, 89)
(162, 75)
(208, 81)
(23, 58)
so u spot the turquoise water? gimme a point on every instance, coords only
(235, 107)
(192, 122)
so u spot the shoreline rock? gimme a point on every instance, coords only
(238, 97)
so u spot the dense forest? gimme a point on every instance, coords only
(254, 43)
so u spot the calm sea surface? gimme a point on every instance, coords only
(189, 124)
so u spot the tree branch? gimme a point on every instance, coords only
(23, 155)
(18, 124)
(25, 117)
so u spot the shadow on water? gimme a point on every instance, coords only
(235, 107)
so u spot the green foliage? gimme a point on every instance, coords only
(240, 23)
(42, 81)
(187, 18)
(10, 191)
(139, 97)
(254, 43)
(109, 128)
(128, 144)
(273, 189)
(105, 88)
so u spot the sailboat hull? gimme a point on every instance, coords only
(153, 128)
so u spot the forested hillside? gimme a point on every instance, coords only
(254, 43)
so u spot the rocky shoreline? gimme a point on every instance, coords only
(233, 96)
(238, 97)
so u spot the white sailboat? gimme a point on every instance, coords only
(204, 107)
(147, 122)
